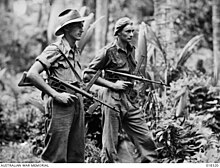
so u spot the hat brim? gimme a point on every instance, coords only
(59, 31)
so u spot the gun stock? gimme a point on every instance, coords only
(24, 81)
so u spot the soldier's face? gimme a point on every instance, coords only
(76, 30)
(127, 33)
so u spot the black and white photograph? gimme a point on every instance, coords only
(110, 81)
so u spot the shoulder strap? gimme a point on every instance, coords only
(71, 66)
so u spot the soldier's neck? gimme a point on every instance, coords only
(122, 44)
(71, 41)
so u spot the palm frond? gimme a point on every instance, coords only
(153, 39)
(141, 49)
(86, 25)
(2, 72)
(181, 105)
(88, 33)
(150, 51)
(82, 11)
(166, 71)
(188, 50)
(141, 52)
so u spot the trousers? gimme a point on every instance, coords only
(131, 120)
(64, 141)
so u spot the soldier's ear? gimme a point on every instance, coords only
(119, 33)
(65, 29)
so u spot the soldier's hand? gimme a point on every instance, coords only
(121, 85)
(65, 98)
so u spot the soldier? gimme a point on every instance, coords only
(117, 91)
(64, 140)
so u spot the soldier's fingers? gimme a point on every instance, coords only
(124, 86)
(70, 101)
(73, 97)
(128, 83)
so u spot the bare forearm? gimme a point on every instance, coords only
(118, 85)
(39, 83)
(102, 82)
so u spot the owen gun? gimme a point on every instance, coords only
(135, 77)
(57, 83)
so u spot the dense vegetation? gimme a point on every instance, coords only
(184, 118)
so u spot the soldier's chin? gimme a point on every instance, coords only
(78, 38)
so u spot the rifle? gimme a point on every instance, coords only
(135, 77)
(61, 85)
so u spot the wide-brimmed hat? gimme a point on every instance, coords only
(66, 17)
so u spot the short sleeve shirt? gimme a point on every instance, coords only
(113, 57)
(54, 61)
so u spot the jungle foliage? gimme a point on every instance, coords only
(184, 118)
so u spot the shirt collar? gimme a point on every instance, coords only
(67, 46)
(130, 47)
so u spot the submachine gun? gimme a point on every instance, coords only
(61, 85)
(134, 77)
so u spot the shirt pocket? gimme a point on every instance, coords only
(117, 60)
(116, 96)
(61, 63)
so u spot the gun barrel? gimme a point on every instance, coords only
(84, 93)
(135, 77)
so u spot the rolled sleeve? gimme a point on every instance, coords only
(49, 56)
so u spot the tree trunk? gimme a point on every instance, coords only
(164, 17)
(216, 37)
(166, 12)
(102, 27)
(6, 5)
